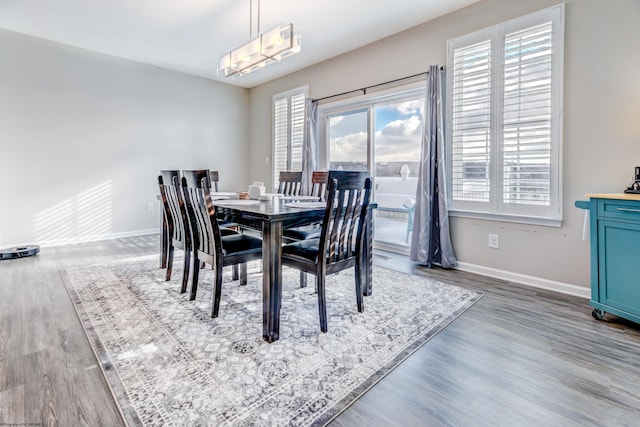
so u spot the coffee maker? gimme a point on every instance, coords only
(635, 187)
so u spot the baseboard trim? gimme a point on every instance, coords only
(85, 239)
(536, 282)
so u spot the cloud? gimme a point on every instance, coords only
(410, 126)
(398, 141)
(410, 107)
(398, 149)
(335, 120)
(349, 148)
(389, 148)
(347, 124)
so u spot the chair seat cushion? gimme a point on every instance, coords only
(307, 249)
(304, 232)
(238, 244)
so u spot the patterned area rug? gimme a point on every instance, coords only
(169, 363)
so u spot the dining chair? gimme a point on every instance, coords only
(318, 189)
(175, 218)
(210, 246)
(319, 181)
(214, 178)
(290, 183)
(198, 178)
(168, 177)
(204, 178)
(342, 239)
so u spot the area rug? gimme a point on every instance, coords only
(168, 362)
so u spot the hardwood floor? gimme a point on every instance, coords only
(48, 372)
(518, 357)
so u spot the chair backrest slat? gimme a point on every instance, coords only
(335, 224)
(350, 217)
(176, 211)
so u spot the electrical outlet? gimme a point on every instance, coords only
(150, 206)
(494, 241)
(266, 160)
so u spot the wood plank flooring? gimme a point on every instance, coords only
(518, 357)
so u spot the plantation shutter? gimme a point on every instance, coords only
(297, 131)
(281, 137)
(471, 122)
(527, 99)
(288, 132)
(504, 138)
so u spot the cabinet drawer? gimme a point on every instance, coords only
(620, 209)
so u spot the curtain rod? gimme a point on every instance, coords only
(364, 89)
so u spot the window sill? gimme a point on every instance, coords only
(548, 222)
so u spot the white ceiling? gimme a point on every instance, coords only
(191, 35)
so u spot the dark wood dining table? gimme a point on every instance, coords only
(270, 218)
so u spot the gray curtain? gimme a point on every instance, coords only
(310, 143)
(431, 241)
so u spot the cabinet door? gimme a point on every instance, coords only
(619, 265)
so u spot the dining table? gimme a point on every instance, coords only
(270, 217)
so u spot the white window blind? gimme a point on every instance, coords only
(297, 131)
(505, 121)
(471, 122)
(527, 116)
(281, 137)
(288, 132)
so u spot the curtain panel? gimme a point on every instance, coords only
(431, 240)
(310, 143)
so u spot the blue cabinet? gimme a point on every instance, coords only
(615, 255)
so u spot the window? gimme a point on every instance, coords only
(348, 138)
(504, 119)
(288, 131)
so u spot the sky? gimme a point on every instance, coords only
(398, 128)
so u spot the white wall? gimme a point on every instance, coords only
(601, 120)
(83, 136)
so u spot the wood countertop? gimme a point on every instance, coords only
(618, 196)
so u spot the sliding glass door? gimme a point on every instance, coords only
(396, 148)
(381, 135)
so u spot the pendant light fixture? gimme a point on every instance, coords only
(260, 51)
